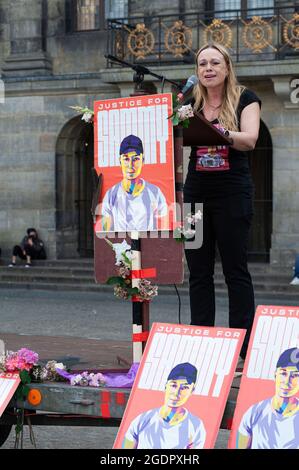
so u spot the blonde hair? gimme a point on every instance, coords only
(232, 91)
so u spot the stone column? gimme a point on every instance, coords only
(284, 132)
(28, 56)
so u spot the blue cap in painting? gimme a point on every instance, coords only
(183, 371)
(131, 143)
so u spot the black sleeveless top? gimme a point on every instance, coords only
(220, 171)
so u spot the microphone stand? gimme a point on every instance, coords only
(140, 71)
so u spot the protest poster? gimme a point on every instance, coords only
(180, 391)
(267, 410)
(134, 153)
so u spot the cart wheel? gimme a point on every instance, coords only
(4, 432)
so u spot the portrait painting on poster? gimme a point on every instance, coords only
(181, 388)
(267, 409)
(134, 153)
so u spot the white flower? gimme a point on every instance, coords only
(43, 374)
(197, 215)
(129, 255)
(59, 365)
(185, 112)
(189, 233)
(76, 380)
(87, 117)
(120, 249)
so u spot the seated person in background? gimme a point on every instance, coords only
(30, 248)
(295, 281)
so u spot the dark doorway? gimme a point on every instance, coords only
(74, 161)
(84, 155)
(261, 169)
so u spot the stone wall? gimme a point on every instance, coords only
(73, 52)
(4, 31)
(31, 122)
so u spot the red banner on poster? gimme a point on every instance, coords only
(180, 391)
(267, 410)
(134, 152)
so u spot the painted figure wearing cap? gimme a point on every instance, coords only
(132, 204)
(274, 423)
(171, 426)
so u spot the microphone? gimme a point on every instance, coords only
(188, 87)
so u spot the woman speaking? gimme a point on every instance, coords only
(219, 177)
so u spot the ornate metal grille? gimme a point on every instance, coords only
(251, 34)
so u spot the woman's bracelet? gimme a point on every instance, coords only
(227, 134)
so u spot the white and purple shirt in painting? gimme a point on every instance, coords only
(269, 429)
(150, 431)
(128, 212)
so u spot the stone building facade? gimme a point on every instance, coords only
(52, 58)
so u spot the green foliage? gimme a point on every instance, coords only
(132, 290)
(21, 395)
(128, 262)
(25, 377)
(81, 109)
(116, 280)
(175, 115)
(178, 236)
(186, 123)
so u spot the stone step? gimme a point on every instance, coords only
(287, 296)
(261, 281)
(44, 270)
(88, 263)
(71, 263)
(36, 275)
(88, 273)
(32, 276)
(88, 269)
(78, 274)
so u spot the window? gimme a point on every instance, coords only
(116, 9)
(87, 15)
(269, 4)
(254, 7)
(219, 5)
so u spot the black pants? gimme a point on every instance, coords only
(18, 251)
(225, 222)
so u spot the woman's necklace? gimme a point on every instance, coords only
(212, 114)
(214, 107)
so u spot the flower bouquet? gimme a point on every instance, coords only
(87, 114)
(181, 114)
(123, 282)
(182, 234)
